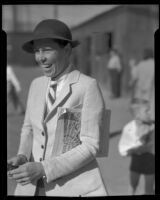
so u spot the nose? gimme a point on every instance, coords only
(42, 57)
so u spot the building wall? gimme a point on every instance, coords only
(114, 23)
(23, 18)
(16, 55)
(19, 21)
(141, 26)
(133, 29)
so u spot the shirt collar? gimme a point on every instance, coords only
(63, 75)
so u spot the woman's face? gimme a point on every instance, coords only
(51, 57)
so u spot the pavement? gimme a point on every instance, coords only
(114, 168)
(120, 114)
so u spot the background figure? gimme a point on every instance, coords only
(13, 90)
(137, 141)
(143, 76)
(115, 68)
(152, 101)
(133, 74)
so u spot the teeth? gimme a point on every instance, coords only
(45, 66)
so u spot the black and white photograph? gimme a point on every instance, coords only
(80, 99)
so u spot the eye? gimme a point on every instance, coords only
(47, 49)
(36, 50)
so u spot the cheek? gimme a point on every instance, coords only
(53, 58)
(36, 57)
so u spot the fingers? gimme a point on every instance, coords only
(9, 175)
(20, 176)
(15, 171)
(13, 161)
(23, 181)
(9, 161)
(17, 175)
(20, 169)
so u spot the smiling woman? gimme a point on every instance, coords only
(59, 160)
(52, 57)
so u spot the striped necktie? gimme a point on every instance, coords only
(52, 94)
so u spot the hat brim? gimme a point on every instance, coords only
(29, 47)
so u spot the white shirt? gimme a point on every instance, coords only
(114, 63)
(11, 77)
(60, 83)
(145, 77)
(131, 137)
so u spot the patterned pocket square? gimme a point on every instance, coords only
(68, 130)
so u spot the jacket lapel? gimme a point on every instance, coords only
(42, 100)
(65, 92)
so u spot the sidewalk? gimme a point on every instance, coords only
(115, 168)
(120, 114)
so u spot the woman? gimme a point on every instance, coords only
(61, 134)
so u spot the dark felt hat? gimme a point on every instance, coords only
(50, 28)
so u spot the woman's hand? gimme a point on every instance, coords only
(17, 160)
(27, 172)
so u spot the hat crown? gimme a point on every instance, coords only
(54, 28)
(50, 28)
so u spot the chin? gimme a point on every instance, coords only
(48, 74)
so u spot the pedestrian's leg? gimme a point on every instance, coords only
(20, 107)
(113, 82)
(9, 88)
(22, 110)
(149, 184)
(17, 102)
(14, 99)
(118, 84)
(134, 181)
(111, 77)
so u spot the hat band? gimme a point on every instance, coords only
(48, 35)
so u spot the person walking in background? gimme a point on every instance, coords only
(140, 133)
(137, 141)
(13, 91)
(143, 76)
(133, 74)
(115, 67)
(55, 159)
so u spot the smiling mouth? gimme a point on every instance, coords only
(46, 66)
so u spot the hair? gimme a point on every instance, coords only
(61, 43)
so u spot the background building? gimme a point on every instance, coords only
(129, 28)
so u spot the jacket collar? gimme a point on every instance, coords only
(66, 91)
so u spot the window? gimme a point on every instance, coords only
(23, 18)
(103, 42)
(109, 40)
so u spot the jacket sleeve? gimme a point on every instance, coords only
(26, 138)
(91, 118)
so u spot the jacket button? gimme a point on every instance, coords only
(43, 133)
(40, 159)
(42, 146)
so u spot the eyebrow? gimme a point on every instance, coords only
(43, 48)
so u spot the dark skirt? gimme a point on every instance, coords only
(143, 164)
